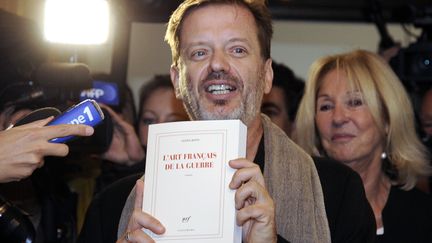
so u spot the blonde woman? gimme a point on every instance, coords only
(356, 111)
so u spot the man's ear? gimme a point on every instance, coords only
(268, 76)
(174, 73)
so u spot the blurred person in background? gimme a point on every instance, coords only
(126, 154)
(356, 111)
(23, 150)
(282, 102)
(158, 104)
(425, 117)
(25, 175)
(114, 154)
(38, 189)
(426, 114)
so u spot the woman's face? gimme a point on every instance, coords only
(345, 125)
(161, 106)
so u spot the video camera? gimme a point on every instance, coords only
(54, 87)
(60, 85)
(413, 64)
(15, 225)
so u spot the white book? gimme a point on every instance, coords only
(187, 180)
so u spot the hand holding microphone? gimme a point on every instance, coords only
(125, 147)
(24, 146)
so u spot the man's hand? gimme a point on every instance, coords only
(256, 212)
(140, 220)
(125, 147)
(23, 148)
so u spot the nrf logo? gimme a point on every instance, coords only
(92, 93)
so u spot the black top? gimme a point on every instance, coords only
(407, 217)
(103, 214)
(348, 212)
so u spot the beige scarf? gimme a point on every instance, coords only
(294, 185)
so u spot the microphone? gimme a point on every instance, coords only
(38, 114)
(98, 143)
(50, 83)
(74, 76)
(20, 93)
(103, 92)
(86, 112)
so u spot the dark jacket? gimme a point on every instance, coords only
(349, 214)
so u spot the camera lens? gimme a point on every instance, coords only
(15, 226)
(420, 64)
(425, 63)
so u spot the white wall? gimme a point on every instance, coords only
(295, 43)
(298, 44)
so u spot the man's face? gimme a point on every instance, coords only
(221, 73)
(274, 106)
(426, 113)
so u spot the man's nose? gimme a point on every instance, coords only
(219, 61)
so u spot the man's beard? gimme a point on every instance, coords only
(246, 111)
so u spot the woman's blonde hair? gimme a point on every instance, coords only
(388, 103)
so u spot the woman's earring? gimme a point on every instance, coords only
(383, 155)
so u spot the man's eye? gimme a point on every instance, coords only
(427, 124)
(270, 112)
(198, 54)
(239, 50)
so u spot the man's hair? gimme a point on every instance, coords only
(388, 103)
(292, 86)
(258, 9)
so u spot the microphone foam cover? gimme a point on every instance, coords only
(38, 114)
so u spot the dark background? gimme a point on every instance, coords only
(326, 10)
(378, 12)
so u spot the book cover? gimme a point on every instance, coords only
(187, 179)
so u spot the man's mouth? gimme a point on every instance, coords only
(220, 89)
